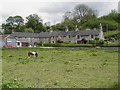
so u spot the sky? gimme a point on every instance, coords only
(51, 10)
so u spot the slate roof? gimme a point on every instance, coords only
(44, 34)
(72, 33)
(2, 37)
(55, 33)
(87, 32)
(25, 34)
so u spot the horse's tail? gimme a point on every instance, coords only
(29, 53)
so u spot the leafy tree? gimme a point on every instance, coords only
(113, 15)
(7, 28)
(29, 30)
(13, 23)
(58, 27)
(35, 22)
(106, 24)
(70, 23)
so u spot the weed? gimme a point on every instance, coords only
(116, 85)
(77, 64)
(12, 84)
(56, 82)
(103, 64)
(10, 56)
(68, 70)
(67, 62)
(94, 54)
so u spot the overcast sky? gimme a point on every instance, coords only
(51, 10)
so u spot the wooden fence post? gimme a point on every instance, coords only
(38, 84)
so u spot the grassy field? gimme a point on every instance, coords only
(61, 68)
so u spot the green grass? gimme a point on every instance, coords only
(61, 68)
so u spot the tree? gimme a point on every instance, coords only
(7, 28)
(70, 23)
(113, 15)
(67, 15)
(35, 22)
(13, 23)
(29, 30)
(83, 13)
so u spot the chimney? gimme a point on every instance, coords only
(66, 30)
(101, 27)
(76, 28)
(51, 30)
(101, 36)
(12, 30)
(94, 29)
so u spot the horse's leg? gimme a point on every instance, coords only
(29, 54)
(36, 54)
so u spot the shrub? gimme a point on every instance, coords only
(69, 70)
(76, 45)
(52, 45)
(92, 42)
(94, 54)
(116, 85)
(12, 84)
(111, 45)
(96, 42)
(65, 45)
(39, 44)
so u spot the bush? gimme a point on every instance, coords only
(96, 42)
(116, 85)
(76, 45)
(12, 84)
(65, 45)
(52, 45)
(39, 44)
(92, 42)
(111, 45)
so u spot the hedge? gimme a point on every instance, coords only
(65, 45)
(75, 45)
(111, 45)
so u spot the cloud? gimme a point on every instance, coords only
(103, 8)
(119, 6)
(50, 11)
(58, 7)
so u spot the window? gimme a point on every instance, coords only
(92, 36)
(18, 43)
(59, 37)
(64, 36)
(52, 41)
(69, 36)
(78, 36)
(96, 36)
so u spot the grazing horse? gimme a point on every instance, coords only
(30, 53)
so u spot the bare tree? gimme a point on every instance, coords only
(67, 15)
(83, 13)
